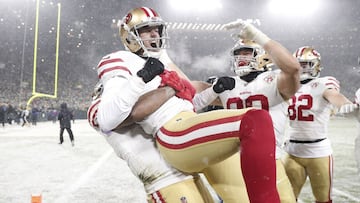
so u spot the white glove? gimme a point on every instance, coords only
(348, 108)
(237, 24)
(247, 31)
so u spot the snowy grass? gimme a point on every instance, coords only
(32, 162)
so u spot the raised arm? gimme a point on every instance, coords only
(289, 79)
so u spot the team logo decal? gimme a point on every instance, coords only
(128, 18)
(315, 84)
(269, 79)
(315, 53)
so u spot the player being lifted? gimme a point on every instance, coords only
(309, 148)
(256, 85)
(162, 183)
(138, 149)
(188, 141)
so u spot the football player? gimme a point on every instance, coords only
(309, 148)
(357, 140)
(188, 141)
(162, 183)
(256, 85)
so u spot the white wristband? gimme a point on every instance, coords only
(261, 38)
(251, 32)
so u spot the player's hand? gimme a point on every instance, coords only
(183, 88)
(237, 24)
(348, 108)
(247, 31)
(151, 69)
(171, 79)
(188, 92)
(224, 83)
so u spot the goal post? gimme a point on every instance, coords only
(36, 94)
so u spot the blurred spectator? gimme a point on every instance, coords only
(3, 114)
(65, 116)
(52, 115)
(25, 116)
(72, 116)
(34, 115)
(12, 114)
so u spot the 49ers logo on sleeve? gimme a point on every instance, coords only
(269, 78)
(314, 85)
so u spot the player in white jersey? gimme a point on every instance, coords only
(309, 148)
(162, 183)
(153, 157)
(357, 140)
(257, 86)
(188, 141)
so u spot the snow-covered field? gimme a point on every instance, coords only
(31, 162)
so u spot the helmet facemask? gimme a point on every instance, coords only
(98, 89)
(309, 70)
(244, 64)
(248, 58)
(310, 61)
(155, 45)
(138, 21)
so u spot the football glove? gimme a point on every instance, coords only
(224, 83)
(151, 69)
(247, 31)
(188, 92)
(171, 79)
(348, 108)
(183, 88)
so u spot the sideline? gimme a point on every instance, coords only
(85, 177)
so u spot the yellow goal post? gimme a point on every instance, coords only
(36, 94)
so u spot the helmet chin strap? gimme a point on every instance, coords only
(154, 54)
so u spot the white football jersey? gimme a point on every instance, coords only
(357, 96)
(140, 153)
(122, 88)
(309, 114)
(261, 93)
(357, 101)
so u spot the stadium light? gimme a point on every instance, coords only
(190, 5)
(295, 8)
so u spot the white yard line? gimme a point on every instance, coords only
(355, 199)
(85, 177)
